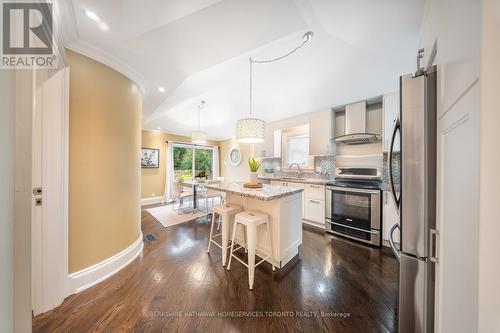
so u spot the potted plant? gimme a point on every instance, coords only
(254, 165)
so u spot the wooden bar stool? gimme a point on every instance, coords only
(225, 214)
(251, 220)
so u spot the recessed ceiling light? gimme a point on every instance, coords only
(94, 17)
(91, 15)
(161, 89)
(158, 128)
(103, 26)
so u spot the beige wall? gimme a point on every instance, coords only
(104, 165)
(153, 180)
(238, 173)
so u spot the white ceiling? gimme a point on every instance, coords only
(199, 50)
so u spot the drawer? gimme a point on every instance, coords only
(314, 210)
(314, 191)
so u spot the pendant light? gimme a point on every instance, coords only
(251, 130)
(199, 136)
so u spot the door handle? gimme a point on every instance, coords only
(397, 202)
(391, 240)
(434, 245)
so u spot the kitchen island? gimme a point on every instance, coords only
(284, 207)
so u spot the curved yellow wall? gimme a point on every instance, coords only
(104, 162)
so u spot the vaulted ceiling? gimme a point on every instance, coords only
(199, 49)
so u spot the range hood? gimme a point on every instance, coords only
(355, 126)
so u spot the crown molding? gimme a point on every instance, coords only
(91, 51)
(66, 21)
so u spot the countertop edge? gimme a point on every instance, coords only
(250, 195)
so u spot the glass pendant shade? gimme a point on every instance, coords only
(250, 130)
(198, 137)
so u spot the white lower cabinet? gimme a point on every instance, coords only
(314, 205)
(315, 210)
(313, 200)
(390, 217)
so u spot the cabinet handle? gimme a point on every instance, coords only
(314, 186)
(314, 201)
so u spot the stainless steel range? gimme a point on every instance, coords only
(353, 200)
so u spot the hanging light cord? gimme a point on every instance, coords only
(199, 107)
(307, 37)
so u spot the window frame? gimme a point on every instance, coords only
(193, 156)
(295, 132)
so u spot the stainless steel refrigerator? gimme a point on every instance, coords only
(415, 199)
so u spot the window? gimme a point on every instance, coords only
(297, 150)
(295, 146)
(191, 161)
(203, 159)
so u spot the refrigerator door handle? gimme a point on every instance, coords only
(391, 240)
(397, 126)
(434, 245)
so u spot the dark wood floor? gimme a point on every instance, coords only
(174, 286)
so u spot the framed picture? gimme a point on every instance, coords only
(150, 158)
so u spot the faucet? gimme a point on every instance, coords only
(299, 173)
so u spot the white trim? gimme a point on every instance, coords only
(89, 50)
(151, 200)
(50, 172)
(92, 275)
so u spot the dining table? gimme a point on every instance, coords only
(194, 184)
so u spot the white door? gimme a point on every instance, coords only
(49, 183)
(458, 164)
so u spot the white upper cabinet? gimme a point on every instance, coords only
(267, 148)
(320, 132)
(391, 113)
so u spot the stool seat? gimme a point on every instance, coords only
(251, 217)
(227, 208)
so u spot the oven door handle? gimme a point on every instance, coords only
(397, 201)
(374, 232)
(350, 189)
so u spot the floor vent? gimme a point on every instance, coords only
(149, 238)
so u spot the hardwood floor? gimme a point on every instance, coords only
(175, 286)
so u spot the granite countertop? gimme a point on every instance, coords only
(266, 193)
(298, 180)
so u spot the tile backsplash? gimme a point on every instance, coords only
(324, 167)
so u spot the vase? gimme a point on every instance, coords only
(253, 177)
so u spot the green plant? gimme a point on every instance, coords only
(254, 164)
(184, 177)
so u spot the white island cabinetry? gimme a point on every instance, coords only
(283, 206)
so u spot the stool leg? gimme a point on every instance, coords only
(225, 236)
(251, 237)
(211, 232)
(232, 245)
(245, 240)
(270, 243)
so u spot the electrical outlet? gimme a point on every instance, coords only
(153, 194)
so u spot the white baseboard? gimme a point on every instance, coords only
(150, 201)
(94, 274)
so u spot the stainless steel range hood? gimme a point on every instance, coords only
(355, 126)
